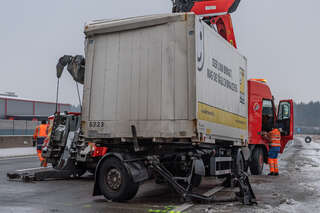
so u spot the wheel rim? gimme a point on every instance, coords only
(113, 179)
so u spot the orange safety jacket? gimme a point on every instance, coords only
(275, 138)
(41, 131)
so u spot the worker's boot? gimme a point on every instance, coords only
(276, 167)
(271, 174)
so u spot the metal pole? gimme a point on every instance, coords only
(57, 96)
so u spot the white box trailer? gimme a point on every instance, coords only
(165, 98)
(171, 76)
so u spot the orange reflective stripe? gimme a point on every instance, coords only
(271, 164)
(275, 138)
(276, 167)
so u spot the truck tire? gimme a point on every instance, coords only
(308, 139)
(239, 164)
(115, 182)
(256, 162)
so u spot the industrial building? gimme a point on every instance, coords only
(15, 108)
(20, 116)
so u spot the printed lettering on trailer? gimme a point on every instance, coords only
(221, 77)
(96, 124)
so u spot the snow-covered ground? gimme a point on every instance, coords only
(297, 189)
(16, 152)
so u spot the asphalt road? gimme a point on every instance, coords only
(295, 190)
(71, 195)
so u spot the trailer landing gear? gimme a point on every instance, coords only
(245, 195)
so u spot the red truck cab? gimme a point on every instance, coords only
(263, 116)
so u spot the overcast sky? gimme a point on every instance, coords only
(279, 38)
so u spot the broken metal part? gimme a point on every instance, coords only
(47, 174)
(76, 67)
(246, 194)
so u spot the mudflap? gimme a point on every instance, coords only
(246, 194)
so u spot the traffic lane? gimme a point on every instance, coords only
(71, 195)
(76, 195)
(15, 163)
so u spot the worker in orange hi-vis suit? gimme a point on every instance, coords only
(274, 138)
(40, 134)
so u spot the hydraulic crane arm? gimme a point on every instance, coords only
(76, 65)
(215, 12)
(205, 7)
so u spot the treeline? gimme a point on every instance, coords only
(307, 117)
(307, 114)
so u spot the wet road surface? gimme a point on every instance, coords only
(71, 195)
(295, 190)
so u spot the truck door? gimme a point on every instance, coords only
(285, 122)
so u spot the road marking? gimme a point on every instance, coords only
(23, 170)
(14, 158)
(213, 191)
(182, 207)
(186, 206)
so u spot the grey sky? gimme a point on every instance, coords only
(279, 38)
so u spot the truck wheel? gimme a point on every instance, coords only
(256, 162)
(115, 182)
(238, 164)
(308, 139)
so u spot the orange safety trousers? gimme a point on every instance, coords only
(273, 164)
(42, 160)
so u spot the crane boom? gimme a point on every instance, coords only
(214, 12)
